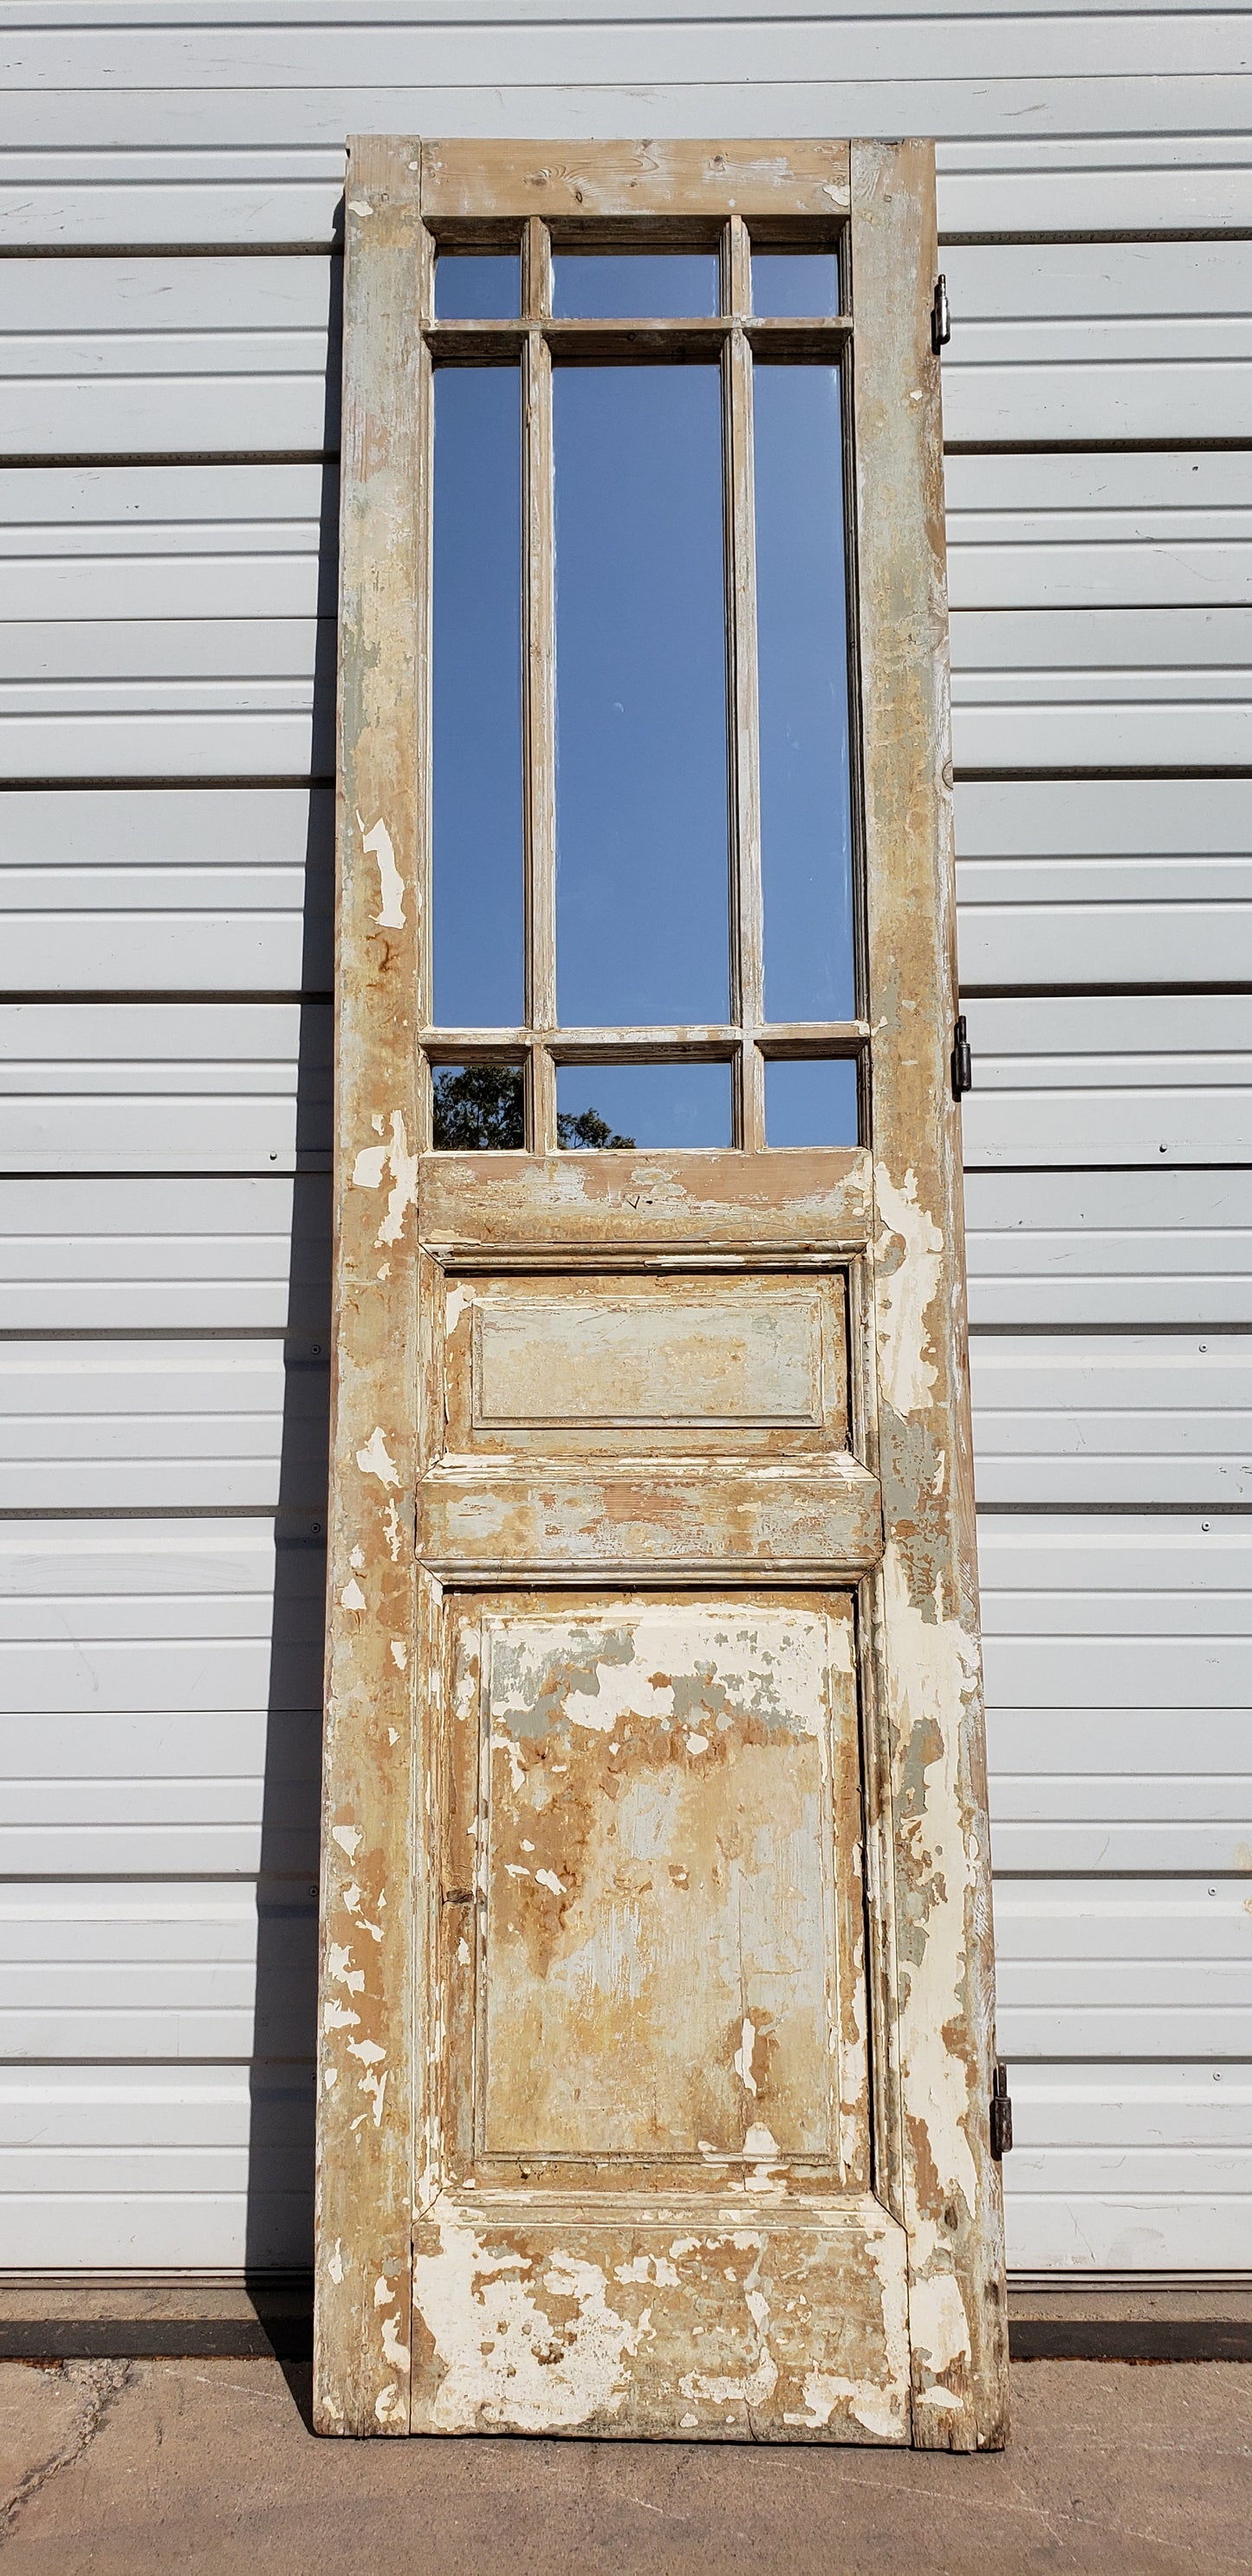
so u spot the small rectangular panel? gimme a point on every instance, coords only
(667, 1824)
(711, 1357)
(592, 1362)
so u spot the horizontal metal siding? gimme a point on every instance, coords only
(167, 1212)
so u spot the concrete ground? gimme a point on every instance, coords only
(202, 2468)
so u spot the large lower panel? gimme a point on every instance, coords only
(655, 2120)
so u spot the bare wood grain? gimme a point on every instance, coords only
(462, 178)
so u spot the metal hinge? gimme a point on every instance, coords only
(962, 1061)
(940, 317)
(1001, 2113)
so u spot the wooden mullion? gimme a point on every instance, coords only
(536, 270)
(539, 685)
(541, 1086)
(747, 981)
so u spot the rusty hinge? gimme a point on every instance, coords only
(962, 1061)
(940, 317)
(1001, 2113)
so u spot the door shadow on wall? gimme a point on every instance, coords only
(279, 2227)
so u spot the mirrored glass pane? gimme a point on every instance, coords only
(806, 831)
(810, 1104)
(479, 1108)
(795, 284)
(642, 851)
(477, 699)
(473, 286)
(669, 285)
(642, 1104)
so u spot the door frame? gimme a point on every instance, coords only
(926, 1820)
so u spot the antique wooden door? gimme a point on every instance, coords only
(656, 1977)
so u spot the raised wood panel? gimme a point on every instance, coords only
(598, 1363)
(708, 1765)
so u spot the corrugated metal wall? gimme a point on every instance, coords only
(167, 428)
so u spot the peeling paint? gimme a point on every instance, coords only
(906, 1293)
(378, 844)
(374, 1461)
(504, 2359)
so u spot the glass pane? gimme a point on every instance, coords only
(477, 699)
(479, 1108)
(810, 1104)
(806, 831)
(477, 287)
(643, 1104)
(799, 283)
(592, 286)
(642, 852)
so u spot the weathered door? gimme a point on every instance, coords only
(656, 1991)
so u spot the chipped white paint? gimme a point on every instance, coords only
(656, 2268)
(394, 1157)
(403, 1193)
(504, 2360)
(548, 1878)
(934, 1671)
(373, 1460)
(378, 844)
(348, 1838)
(340, 1969)
(743, 2058)
(352, 1905)
(352, 1597)
(335, 2263)
(879, 2410)
(908, 1285)
(399, 1654)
